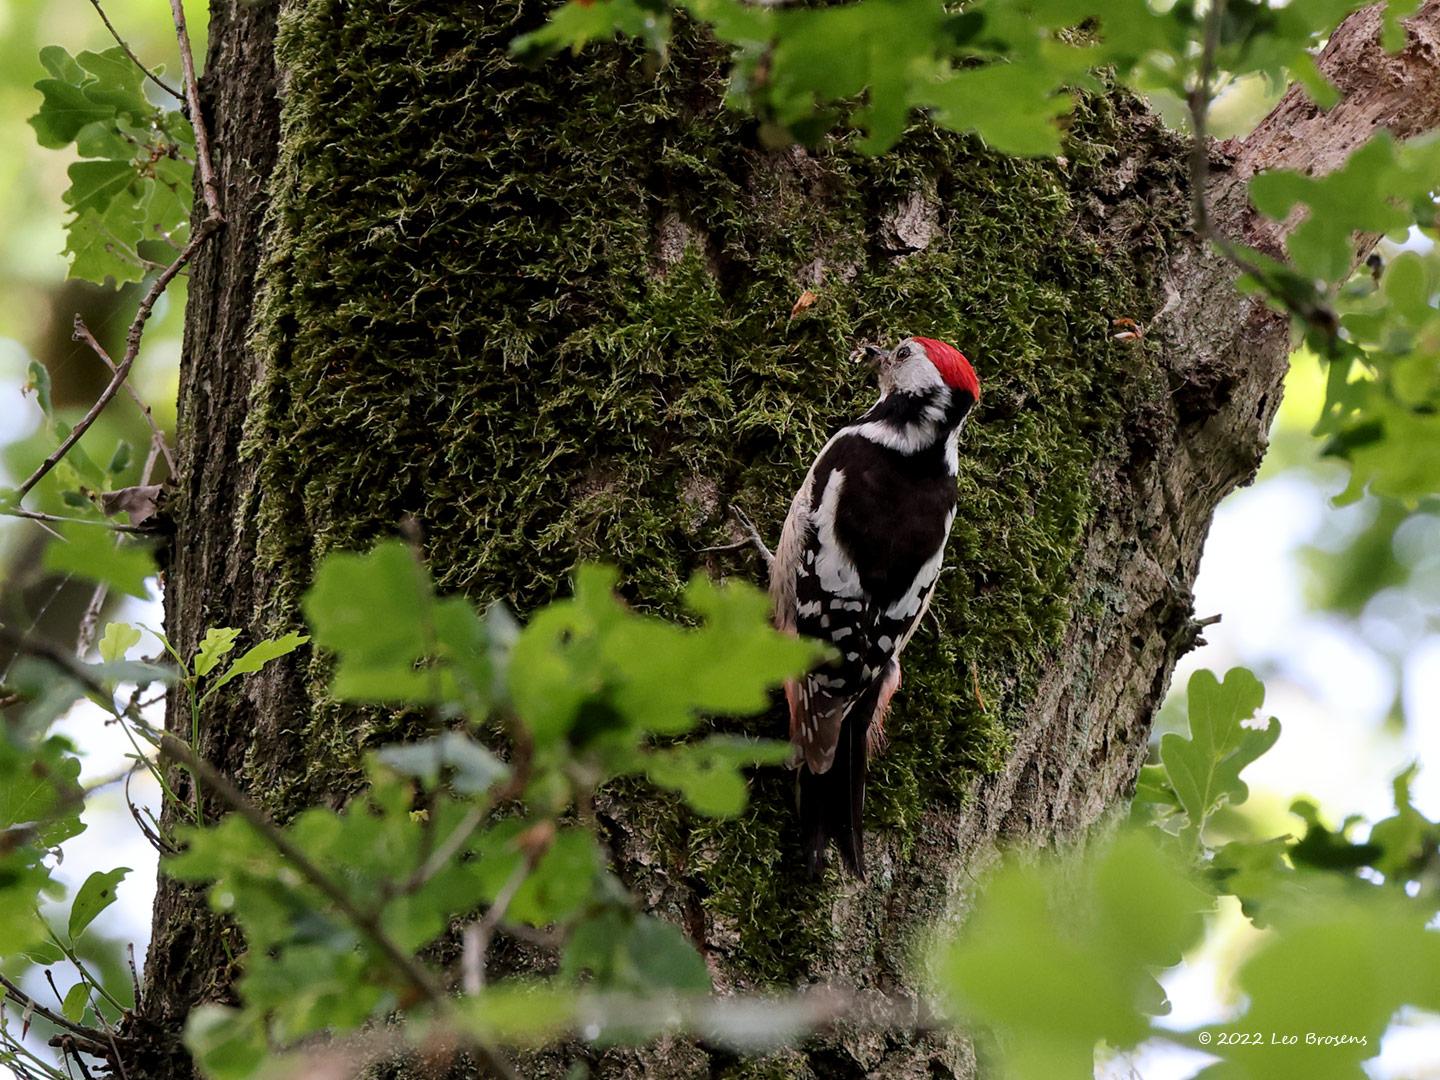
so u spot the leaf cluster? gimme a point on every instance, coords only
(1004, 69)
(130, 194)
(450, 829)
(1062, 953)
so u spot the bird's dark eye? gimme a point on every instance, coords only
(903, 354)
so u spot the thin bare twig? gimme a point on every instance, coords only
(157, 437)
(208, 189)
(72, 1053)
(45, 520)
(477, 936)
(87, 977)
(151, 832)
(25, 1070)
(132, 349)
(90, 621)
(134, 971)
(25, 1001)
(1199, 104)
(90, 983)
(161, 83)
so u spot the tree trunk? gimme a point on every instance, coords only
(547, 314)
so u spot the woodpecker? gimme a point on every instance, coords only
(856, 568)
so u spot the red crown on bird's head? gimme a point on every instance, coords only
(952, 365)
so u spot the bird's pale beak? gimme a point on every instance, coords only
(874, 356)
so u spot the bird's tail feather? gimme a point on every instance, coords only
(832, 803)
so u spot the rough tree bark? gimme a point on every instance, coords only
(546, 314)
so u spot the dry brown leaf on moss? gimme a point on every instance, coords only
(806, 301)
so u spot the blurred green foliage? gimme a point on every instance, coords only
(582, 694)
(1060, 956)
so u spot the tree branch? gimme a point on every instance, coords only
(161, 83)
(132, 350)
(157, 437)
(202, 232)
(92, 1038)
(1398, 92)
(197, 116)
(53, 519)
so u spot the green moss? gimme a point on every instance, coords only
(548, 315)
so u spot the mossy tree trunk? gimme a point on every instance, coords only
(547, 315)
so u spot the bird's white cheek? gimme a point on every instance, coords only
(916, 375)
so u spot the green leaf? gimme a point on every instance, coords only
(80, 461)
(228, 1044)
(707, 773)
(118, 639)
(102, 139)
(1402, 460)
(1405, 839)
(1204, 769)
(61, 65)
(1059, 954)
(65, 110)
(1257, 873)
(257, 656)
(102, 245)
(1378, 189)
(1324, 848)
(93, 184)
(77, 1000)
(1321, 90)
(593, 671)
(91, 552)
(116, 83)
(1345, 968)
(218, 641)
(665, 959)
(1153, 786)
(120, 460)
(38, 787)
(169, 199)
(374, 612)
(581, 22)
(561, 882)
(97, 894)
(1014, 107)
(37, 382)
